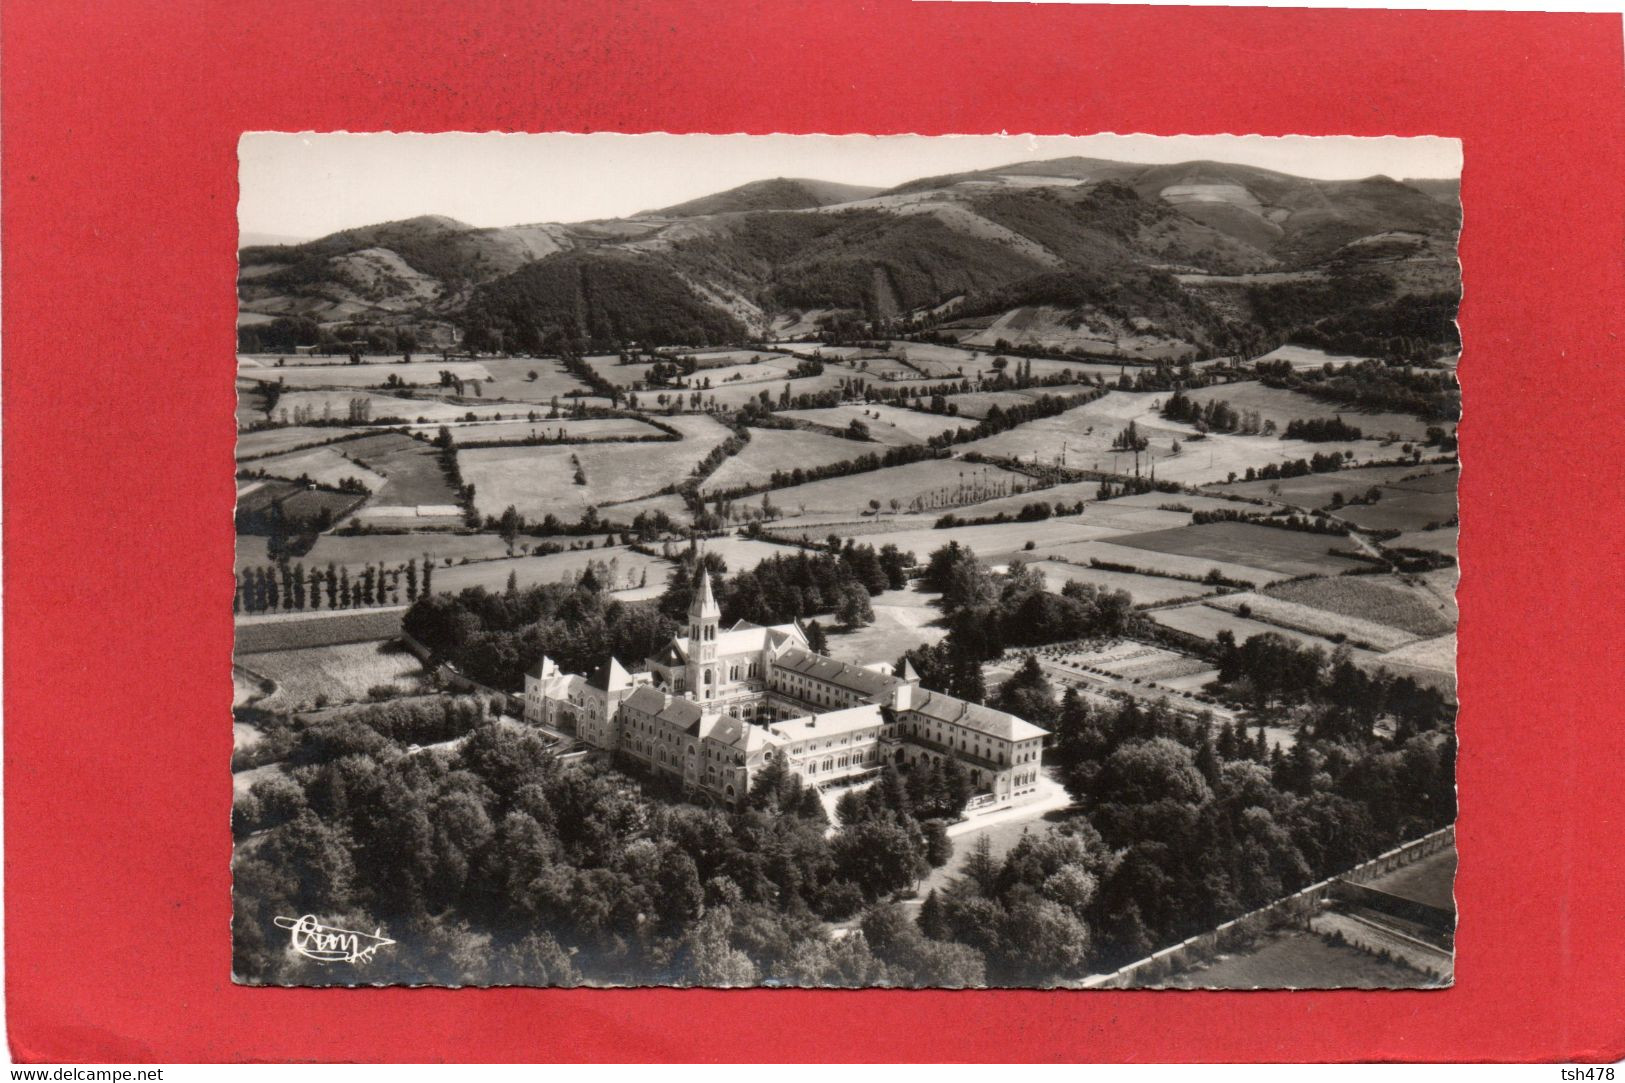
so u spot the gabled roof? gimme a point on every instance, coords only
(945, 708)
(610, 677)
(832, 724)
(841, 674)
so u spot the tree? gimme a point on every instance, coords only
(853, 609)
(817, 641)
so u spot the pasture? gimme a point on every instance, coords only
(339, 673)
(411, 467)
(1146, 590)
(888, 425)
(1316, 622)
(342, 374)
(335, 405)
(1437, 655)
(1287, 552)
(1307, 357)
(995, 543)
(622, 569)
(1205, 621)
(539, 481)
(1443, 540)
(925, 486)
(323, 465)
(977, 404)
(475, 433)
(734, 395)
(1282, 406)
(1153, 561)
(743, 554)
(773, 450)
(768, 367)
(510, 379)
(1402, 510)
(291, 438)
(669, 504)
(1383, 600)
(355, 551)
(904, 619)
(610, 368)
(1315, 490)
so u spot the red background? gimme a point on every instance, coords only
(120, 130)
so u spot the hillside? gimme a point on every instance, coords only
(778, 194)
(1105, 258)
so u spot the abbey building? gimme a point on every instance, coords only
(717, 705)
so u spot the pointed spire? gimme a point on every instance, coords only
(704, 606)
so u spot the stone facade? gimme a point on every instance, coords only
(717, 705)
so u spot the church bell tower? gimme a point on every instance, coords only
(704, 615)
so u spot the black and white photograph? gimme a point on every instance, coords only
(846, 561)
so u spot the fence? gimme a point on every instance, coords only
(1295, 909)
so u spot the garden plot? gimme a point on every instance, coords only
(1146, 590)
(1316, 622)
(887, 425)
(1282, 406)
(1382, 600)
(1140, 661)
(1286, 552)
(775, 450)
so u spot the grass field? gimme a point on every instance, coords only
(670, 503)
(904, 620)
(929, 485)
(743, 554)
(336, 405)
(342, 673)
(748, 368)
(539, 481)
(391, 550)
(1438, 655)
(1307, 357)
(418, 373)
(628, 570)
(1315, 622)
(734, 395)
(995, 543)
(292, 631)
(888, 425)
(1154, 561)
(1288, 552)
(1144, 589)
(783, 449)
(323, 465)
(1431, 880)
(1315, 490)
(1282, 406)
(1382, 600)
(1206, 621)
(289, 438)
(510, 379)
(977, 404)
(1297, 959)
(610, 368)
(411, 466)
(1402, 509)
(472, 434)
